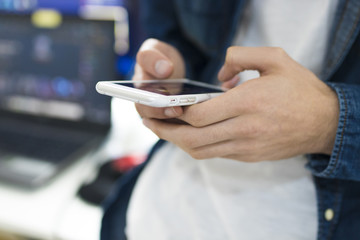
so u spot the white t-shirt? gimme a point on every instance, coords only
(177, 197)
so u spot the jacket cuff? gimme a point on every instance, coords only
(344, 162)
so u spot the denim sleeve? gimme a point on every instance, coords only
(160, 19)
(344, 162)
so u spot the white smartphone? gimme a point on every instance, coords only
(160, 93)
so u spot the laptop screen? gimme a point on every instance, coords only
(51, 73)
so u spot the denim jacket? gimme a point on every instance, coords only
(202, 30)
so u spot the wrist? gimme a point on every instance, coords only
(331, 121)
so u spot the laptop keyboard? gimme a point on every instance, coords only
(39, 146)
(52, 145)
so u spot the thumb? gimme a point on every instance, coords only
(262, 59)
(155, 63)
(158, 58)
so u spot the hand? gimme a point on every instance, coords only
(285, 112)
(158, 60)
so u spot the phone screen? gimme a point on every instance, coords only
(172, 88)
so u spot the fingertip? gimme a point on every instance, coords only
(163, 68)
(232, 82)
(155, 63)
(173, 112)
(221, 74)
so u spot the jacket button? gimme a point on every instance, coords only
(329, 214)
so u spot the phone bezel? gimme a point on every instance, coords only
(114, 89)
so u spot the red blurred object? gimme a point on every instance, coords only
(128, 162)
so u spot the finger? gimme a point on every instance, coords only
(231, 149)
(232, 82)
(192, 137)
(185, 135)
(216, 150)
(158, 113)
(263, 59)
(243, 158)
(159, 58)
(203, 143)
(154, 63)
(214, 110)
(140, 74)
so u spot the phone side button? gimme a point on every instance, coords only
(191, 99)
(183, 100)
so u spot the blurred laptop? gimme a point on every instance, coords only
(50, 113)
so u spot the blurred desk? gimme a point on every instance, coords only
(54, 211)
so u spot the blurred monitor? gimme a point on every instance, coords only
(50, 113)
(51, 72)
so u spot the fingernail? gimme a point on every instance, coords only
(162, 67)
(235, 80)
(170, 112)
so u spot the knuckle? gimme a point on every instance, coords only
(250, 159)
(188, 141)
(249, 130)
(230, 53)
(247, 150)
(250, 105)
(279, 53)
(195, 120)
(159, 134)
(253, 101)
(143, 55)
(198, 155)
(231, 49)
